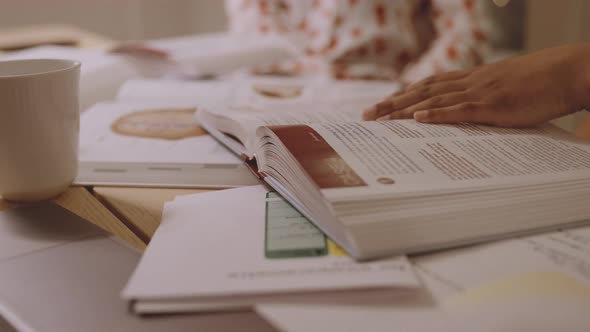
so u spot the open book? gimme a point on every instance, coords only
(148, 136)
(382, 188)
(153, 144)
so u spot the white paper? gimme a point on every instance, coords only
(221, 52)
(101, 141)
(252, 90)
(214, 245)
(566, 252)
(536, 283)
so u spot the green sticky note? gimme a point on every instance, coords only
(288, 233)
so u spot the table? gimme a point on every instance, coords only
(140, 209)
(83, 203)
(132, 214)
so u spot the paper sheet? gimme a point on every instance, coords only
(251, 90)
(237, 251)
(148, 132)
(537, 283)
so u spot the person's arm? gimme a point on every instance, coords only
(517, 92)
(463, 29)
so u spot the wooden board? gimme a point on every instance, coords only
(81, 202)
(139, 208)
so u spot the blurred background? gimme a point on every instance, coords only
(526, 24)
(534, 23)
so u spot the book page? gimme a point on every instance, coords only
(250, 117)
(148, 132)
(194, 92)
(254, 102)
(500, 286)
(405, 156)
(253, 90)
(515, 280)
(547, 255)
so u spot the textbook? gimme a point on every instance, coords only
(261, 250)
(148, 136)
(153, 144)
(391, 187)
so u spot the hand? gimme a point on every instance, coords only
(518, 92)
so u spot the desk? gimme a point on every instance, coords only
(140, 209)
(81, 202)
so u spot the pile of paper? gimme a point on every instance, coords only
(247, 247)
(256, 249)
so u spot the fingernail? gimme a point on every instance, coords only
(421, 115)
(383, 118)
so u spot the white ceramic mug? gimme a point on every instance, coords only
(39, 127)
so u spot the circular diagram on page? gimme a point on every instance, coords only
(169, 124)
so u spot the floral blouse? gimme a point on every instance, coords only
(405, 40)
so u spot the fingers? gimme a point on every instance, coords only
(372, 112)
(409, 98)
(465, 112)
(418, 92)
(439, 101)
